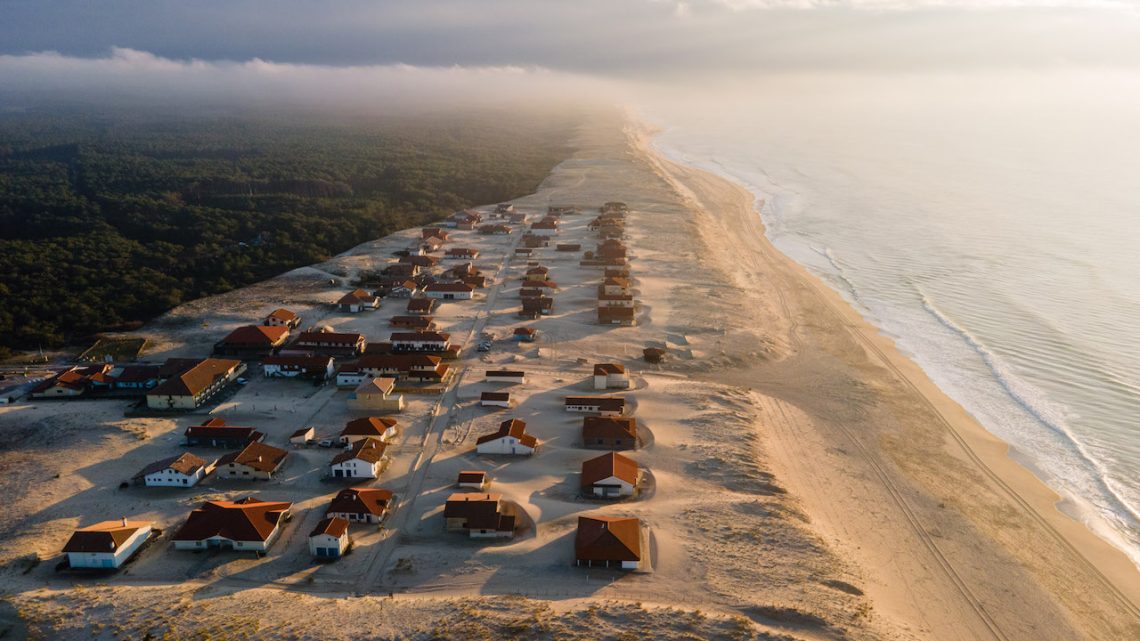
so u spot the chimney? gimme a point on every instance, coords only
(124, 521)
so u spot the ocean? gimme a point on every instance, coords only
(989, 224)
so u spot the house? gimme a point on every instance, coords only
(610, 476)
(478, 282)
(568, 247)
(252, 340)
(481, 515)
(423, 368)
(313, 366)
(433, 232)
(399, 288)
(331, 343)
(376, 394)
(106, 545)
(302, 437)
(505, 376)
(608, 542)
(184, 470)
(255, 461)
(533, 241)
(466, 219)
(401, 271)
(244, 524)
(616, 300)
(69, 383)
(495, 399)
(419, 261)
(357, 300)
(542, 284)
(617, 272)
(495, 230)
(525, 334)
(538, 272)
(545, 227)
(504, 208)
(535, 307)
(511, 438)
(283, 318)
(215, 433)
(461, 253)
(383, 428)
(364, 460)
(361, 505)
(449, 291)
(609, 432)
(616, 316)
(610, 376)
(134, 378)
(614, 286)
(418, 323)
(473, 479)
(329, 540)
(421, 306)
(653, 354)
(420, 341)
(523, 251)
(432, 243)
(603, 405)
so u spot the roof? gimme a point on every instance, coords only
(607, 538)
(609, 427)
(607, 465)
(258, 456)
(376, 386)
(105, 536)
(304, 431)
(525, 331)
(332, 526)
(398, 361)
(620, 313)
(495, 396)
(246, 519)
(356, 296)
(471, 476)
(480, 511)
(421, 303)
(368, 449)
(194, 380)
(330, 337)
(368, 426)
(283, 314)
(511, 427)
(361, 500)
(257, 334)
(441, 337)
(605, 369)
(185, 463)
(216, 428)
(505, 372)
(607, 403)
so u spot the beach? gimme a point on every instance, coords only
(807, 479)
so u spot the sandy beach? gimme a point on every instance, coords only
(805, 480)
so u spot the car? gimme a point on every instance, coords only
(484, 347)
(327, 442)
(242, 381)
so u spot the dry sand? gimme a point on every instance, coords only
(804, 480)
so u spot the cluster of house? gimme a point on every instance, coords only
(616, 305)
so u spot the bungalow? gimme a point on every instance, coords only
(361, 505)
(418, 323)
(610, 476)
(535, 307)
(184, 470)
(283, 318)
(357, 300)
(399, 288)
(252, 340)
(545, 227)
(332, 343)
(616, 300)
(433, 232)
(473, 480)
(495, 399)
(461, 253)
(254, 461)
(421, 306)
(568, 247)
(614, 286)
(480, 515)
(617, 316)
(539, 272)
(364, 460)
(420, 341)
(329, 540)
(505, 376)
(478, 282)
(432, 243)
(245, 524)
(462, 271)
(449, 291)
(466, 219)
(376, 394)
(106, 545)
(419, 261)
(523, 251)
(383, 428)
(610, 376)
(495, 230)
(511, 438)
(603, 405)
(194, 383)
(608, 542)
(533, 241)
(401, 270)
(314, 366)
(609, 432)
(215, 433)
(525, 334)
(303, 437)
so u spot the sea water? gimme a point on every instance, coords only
(990, 226)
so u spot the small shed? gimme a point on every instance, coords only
(653, 354)
(473, 479)
(495, 399)
(303, 437)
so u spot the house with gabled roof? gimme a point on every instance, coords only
(376, 394)
(510, 438)
(516, 376)
(195, 385)
(214, 432)
(610, 376)
(609, 432)
(480, 515)
(384, 428)
(282, 317)
(625, 316)
(254, 461)
(252, 340)
(357, 300)
(603, 405)
(525, 334)
(329, 540)
(449, 291)
(608, 541)
(610, 476)
(245, 524)
(421, 306)
(365, 459)
(495, 399)
(473, 480)
(361, 504)
(71, 382)
(106, 545)
(331, 343)
(184, 470)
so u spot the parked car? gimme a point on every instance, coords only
(327, 442)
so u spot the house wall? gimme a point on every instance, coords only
(170, 478)
(116, 559)
(612, 486)
(239, 471)
(357, 517)
(506, 404)
(355, 468)
(327, 541)
(157, 402)
(490, 534)
(505, 445)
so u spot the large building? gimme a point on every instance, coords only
(195, 385)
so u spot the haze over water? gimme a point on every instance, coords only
(990, 225)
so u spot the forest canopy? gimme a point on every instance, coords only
(109, 220)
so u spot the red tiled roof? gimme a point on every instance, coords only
(607, 465)
(605, 369)
(258, 456)
(283, 314)
(106, 536)
(368, 426)
(607, 538)
(247, 519)
(511, 427)
(623, 427)
(360, 500)
(185, 463)
(257, 335)
(368, 449)
(196, 379)
(332, 526)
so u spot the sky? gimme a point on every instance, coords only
(471, 49)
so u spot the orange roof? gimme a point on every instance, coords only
(257, 335)
(594, 427)
(607, 538)
(607, 465)
(604, 369)
(196, 379)
(333, 526)
(106, 536)
(258, 456)
(512, 427)
(368, 449)
(247, 519)
(368, 426)
(356, 296)
(360, 500)
(283, 314)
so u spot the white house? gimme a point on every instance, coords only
(351, 376)
(364, 460)
(420, 341)
(184, 470)
(610, 476)
(450, 291)
(495, 399)
(610, 376)
(602, 405)
(106, 545)
(382, 428)
(329, 539)
(247, 524)
(505, 376)
(511, 438)
(356, 301)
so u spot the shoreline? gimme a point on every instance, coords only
(989, 454)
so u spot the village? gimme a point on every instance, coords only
(428, 410)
